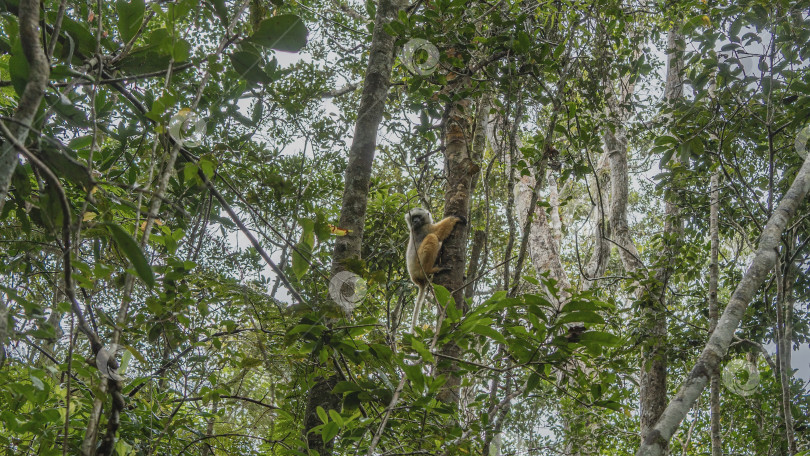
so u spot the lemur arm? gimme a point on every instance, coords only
(443, 228)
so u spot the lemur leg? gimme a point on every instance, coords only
(443, 228)
(428, 253)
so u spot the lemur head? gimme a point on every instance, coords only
(417, 217)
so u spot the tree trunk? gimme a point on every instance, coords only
(364, 142)
(784, 307)
(714, 275)
(600, 256)
(460, 170)
(653, 392)
(38, 73)
(355, 192)
(717, 346)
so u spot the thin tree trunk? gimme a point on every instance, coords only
(209, 430)
(355, 193)
(717, 346)
(479, 239)
(600, 256)
(616, 146)
(653, 390)
(783, 348)
(714, 275)
(38, 73)
(364, 142)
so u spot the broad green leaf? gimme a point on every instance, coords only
(285, 32)
(443, 296)
(322, 414)
(580, 305)
(133, 252)
(581, 316)
(415, 375)
(65, 165)
(600, 337)
(18, 69)
(130, 17)
(249, 65)
(303, 252)
(336, 417)
(330, 430)
(489, 332)
(422, 350)
(345, 387)
(221, 11)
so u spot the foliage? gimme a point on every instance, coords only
(180, 130)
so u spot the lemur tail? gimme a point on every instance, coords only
(420, 298)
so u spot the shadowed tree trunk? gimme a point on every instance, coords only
(355, 192)
(38, 73)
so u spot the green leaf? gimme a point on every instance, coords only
(143, 60)
(692, 24)
(18, 69)
(133, 252)
(581, 316)
(65, 165)
(181, 50)
(443, 296)
(531, 383)
(601, 338)
(330, 430)
(285, 32)
(422, 350)
(487, 331)
(415, 375)
(249, 66)
(221, 11)
(575, 305)
(81, 142)
(336, 417)
(189, 171)
(160, 107)
(322, 414)
(207, 168)
(130, 17)
(611, 405)
(346, 387)
(303, 251)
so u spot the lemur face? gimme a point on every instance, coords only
(417, 217)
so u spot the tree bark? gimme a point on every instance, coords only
(717, 346)
(653, 390)
(600, 256)
(38, 73)
(460, 169)
(364, 142)
(355, 193)
(784, 306)
(616, 147)
(714, 275)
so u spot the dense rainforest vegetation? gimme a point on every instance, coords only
(203, 236)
